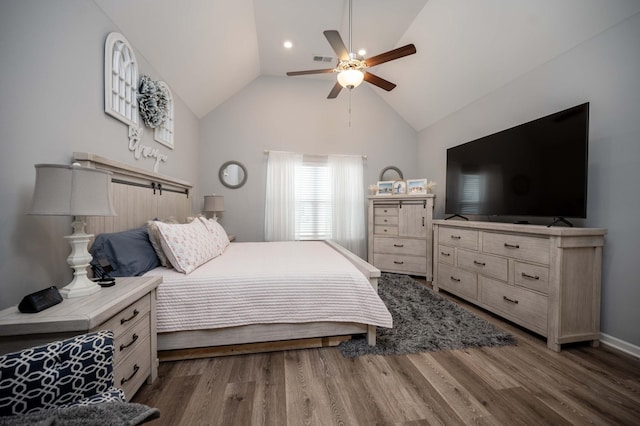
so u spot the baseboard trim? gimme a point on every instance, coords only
(620, 345)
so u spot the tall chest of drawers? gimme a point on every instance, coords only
(400, 236)
(544, 279)
(128, 309)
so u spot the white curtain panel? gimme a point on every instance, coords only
(280, 206)
(347, 190)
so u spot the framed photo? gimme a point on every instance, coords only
(399, 187)
(416, 186)
(385, 187)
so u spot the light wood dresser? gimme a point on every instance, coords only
(546, 279)
(128, 309)
(400, 234)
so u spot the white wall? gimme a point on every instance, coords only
(293, 114)
(52, 104)
(604, 71)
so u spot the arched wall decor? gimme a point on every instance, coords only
(120, 80)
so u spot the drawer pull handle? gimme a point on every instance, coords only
(510, 300)
(133, 340)
(385, 230)
(479, 263)
(455, 279)
(445, 254)
(135, 314)
(511, 245)
(126, 379)
(398, 245)
(456, 237)
(422, 220)
(531, 277)
(398, 262)
(385, 220)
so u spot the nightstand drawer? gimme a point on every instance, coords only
(130, 339)
(457, 281)
(131, 372)
(415, 264)
(128, 316)
(457, 237)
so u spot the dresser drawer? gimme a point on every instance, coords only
(445, 254)
(385, 230)
(386, 220)
(532, 276)
(134, 369)
(400, 246)
(457, 237)
(128, 316)
(493, 266)
(457, 281)
(531, 249)
(416, 264)
(385, 211)
(131, 338)
(522, 306)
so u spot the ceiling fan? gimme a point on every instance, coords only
(351, 68)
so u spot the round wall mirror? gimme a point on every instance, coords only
(391, 173)
(232, 174)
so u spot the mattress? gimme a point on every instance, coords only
(265, 283)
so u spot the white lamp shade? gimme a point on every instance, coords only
(213, 203)
(350, 79)
(62, 190)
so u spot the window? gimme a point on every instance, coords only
(313, 200)
(120, 80)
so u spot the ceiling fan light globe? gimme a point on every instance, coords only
(350, 79)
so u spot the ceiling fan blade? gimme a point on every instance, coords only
(378, 81)
(334, 39)
(322, 71)
(335, 91)
(400, 52)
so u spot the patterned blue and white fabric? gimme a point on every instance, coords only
(75, 371)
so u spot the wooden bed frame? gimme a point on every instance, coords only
(140, 195)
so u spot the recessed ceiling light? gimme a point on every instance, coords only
(362, 52)
(288, 45)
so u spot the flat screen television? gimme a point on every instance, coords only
(538, 168)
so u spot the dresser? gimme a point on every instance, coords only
(546, 279)
(128, 309)
(400, 237)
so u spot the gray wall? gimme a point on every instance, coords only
(52, 98)
(604, 71)
(293, 114)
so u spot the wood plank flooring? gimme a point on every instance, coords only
(525, 384)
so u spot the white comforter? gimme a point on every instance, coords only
(260, 283)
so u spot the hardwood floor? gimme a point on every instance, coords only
(525, 384)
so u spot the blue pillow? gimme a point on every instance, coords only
(126, 254)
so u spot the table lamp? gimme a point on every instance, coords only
(214, 204)
(77, 191)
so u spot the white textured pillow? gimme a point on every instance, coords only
(188, 245)
(217, 231)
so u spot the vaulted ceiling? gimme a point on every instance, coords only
(208, 50)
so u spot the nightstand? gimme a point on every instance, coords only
(128, 309)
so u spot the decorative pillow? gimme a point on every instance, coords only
(217, 231)
(154, 238)
(128, 253)
(188, 245)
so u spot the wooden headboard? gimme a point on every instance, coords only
(138, 195)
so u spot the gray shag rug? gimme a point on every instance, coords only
(424, 321)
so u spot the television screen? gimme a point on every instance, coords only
(535, 169)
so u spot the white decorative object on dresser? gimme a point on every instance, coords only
(546, 279)
(128, 309)
(400, 234)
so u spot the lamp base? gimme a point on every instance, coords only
(79, 260)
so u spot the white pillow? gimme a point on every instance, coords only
(188, 245)
(217, 231)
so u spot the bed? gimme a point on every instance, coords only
(323, 293)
